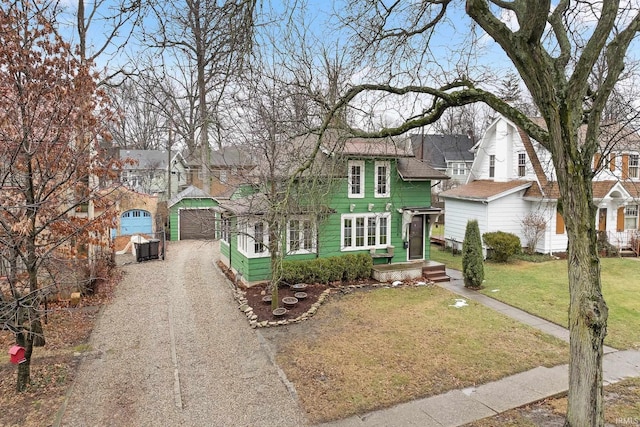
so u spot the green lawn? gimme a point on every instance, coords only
(542, 289)
(374, 349)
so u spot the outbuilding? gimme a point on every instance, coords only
(191, 215)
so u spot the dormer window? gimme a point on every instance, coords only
(383, 179)
(356, 178)
(522, 164)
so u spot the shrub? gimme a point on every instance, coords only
(533, 228)
(503, 245)
(325, 270)
(472, 262)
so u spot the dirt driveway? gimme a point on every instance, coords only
(172, 349)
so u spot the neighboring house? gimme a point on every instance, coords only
(147, 171)
(191, 215)
(513, 177)
(379, 203)
(449, 154)
(228, 168)
(137, 212)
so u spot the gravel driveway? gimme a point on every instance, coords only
(173, 349)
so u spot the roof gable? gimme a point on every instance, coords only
(190, 192)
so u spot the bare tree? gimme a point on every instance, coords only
(554, 49)
(211, 40)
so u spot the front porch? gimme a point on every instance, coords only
(431, 271)
(627, 242)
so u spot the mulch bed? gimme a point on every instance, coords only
(263, 310)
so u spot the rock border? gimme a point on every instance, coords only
(243, 303)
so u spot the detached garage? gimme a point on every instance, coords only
(191, 215)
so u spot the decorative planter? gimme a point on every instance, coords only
(266, 299)
(299, 286)
(289, 301)
(300, 295)
(279, 312)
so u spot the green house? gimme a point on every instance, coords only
(192, 215)
(379, 202)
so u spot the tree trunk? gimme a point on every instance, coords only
(587, 310)
(24, 340)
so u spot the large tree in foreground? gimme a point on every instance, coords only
(52, 113)
(554, 47)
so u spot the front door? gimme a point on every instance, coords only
(602, 219)
(416, 238)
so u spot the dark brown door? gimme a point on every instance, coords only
(416, 238)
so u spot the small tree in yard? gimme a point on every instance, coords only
(472, 260)
(52, 116)
(533, 227)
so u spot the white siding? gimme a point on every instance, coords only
(458, 213)
(506, 214)
(551, 242)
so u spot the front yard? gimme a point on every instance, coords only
(373, 349)
(542, 289)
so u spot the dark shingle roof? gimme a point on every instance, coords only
(412, 169)
(145, 159)
(436, 150)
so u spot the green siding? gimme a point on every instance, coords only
(402, 194)
(186, 204)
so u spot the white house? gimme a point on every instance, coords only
(513, 177)
(148, 171)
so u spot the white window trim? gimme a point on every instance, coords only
(359, 163)
(225, 230)
(635, 168)
(387, 165)
(245, 241)
(314, 243)
(523, 165)
(634, 217)
(353, 217)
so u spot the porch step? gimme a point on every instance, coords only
(627, 253)
(438, 279)
(435, 272)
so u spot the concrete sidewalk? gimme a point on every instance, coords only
(459, 407)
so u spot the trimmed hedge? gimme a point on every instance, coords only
(326, 270)
(503, 245)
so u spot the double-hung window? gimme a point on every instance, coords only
(382, 179)
(522, 164)
(356, 178)
(492, 165)
(633, 166)
(225, 229)
(631, 217)
(253, 238)
(300, 236)
(458, 168)
(365, 231)
(258, 238)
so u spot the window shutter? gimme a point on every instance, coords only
(559, 223)
(596, 160)
(620, 221)
(625, 166)
(612, 162)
